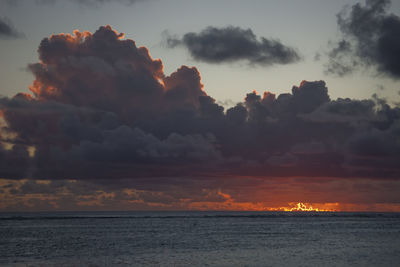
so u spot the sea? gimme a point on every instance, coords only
(200, 239)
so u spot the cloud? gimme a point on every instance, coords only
(231, 44)
(104, 72)
(370, 39)
(106, 124)
(14, 162)
(97, 98)
(7, 30)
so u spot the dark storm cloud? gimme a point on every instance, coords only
(14, 162)
(371, 38)
(95, 99)
(102, 109)
(104, 72)
(219, 45)
(7, 30)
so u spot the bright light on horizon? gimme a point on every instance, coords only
(300, 206)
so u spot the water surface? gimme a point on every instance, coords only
(199, 238)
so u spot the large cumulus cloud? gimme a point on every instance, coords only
(370, 39)
(104, 72)
(229, 44)
(99, 98)
(102, 111)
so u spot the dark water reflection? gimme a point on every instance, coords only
(199, 238)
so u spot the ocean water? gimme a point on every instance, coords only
(199, 239)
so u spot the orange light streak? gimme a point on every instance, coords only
(300, 206)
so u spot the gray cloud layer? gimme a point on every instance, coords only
(219, 45)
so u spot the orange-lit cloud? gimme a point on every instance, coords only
(75, 195)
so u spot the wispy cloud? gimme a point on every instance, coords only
(7, 30)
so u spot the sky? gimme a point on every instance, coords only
(199, 105)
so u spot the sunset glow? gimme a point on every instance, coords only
(300, 206)
(199, 133)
